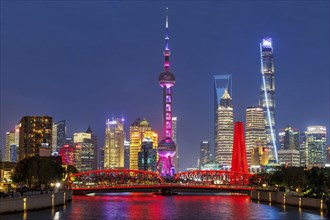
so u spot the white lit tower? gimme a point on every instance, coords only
(267, 94)
(166, 147)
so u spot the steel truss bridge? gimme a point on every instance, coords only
(121, 180)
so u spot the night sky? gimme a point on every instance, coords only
(84, 61)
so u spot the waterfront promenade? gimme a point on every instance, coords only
(33, 201)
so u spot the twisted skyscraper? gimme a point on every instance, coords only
(267, 94)
(166, 147)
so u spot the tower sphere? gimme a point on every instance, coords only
(166, 79)
(166, 147)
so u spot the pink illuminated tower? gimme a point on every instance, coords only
(166, 147)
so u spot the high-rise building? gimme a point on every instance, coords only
(35, 136)
(147, 156)
(221, 83)
(96, 148)
(289, 138)
(166, 147)
(176, 156)
(316, 145)
(302, 149)
(204, 153)
(114, 144)
(224, 148)
(289, 157)
(10, 143)
(58, 135)
(84, 150)
(267, 94)
(255, 129)
(77, 157)
(126, 152)
(259, 155)
(139, 130)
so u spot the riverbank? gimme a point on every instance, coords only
(34, 202)
(284, 199)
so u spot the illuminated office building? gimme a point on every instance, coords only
(96, 148)
(147, 157)
(289, 138)
(316, 145)
(221, 83)
(255, 129)
(85, 150)
(289, 157)
(174, 132)
(267, 94)
(35, 136)
(126, 152)
(224, 148)
(139, 130)
(204, 153)
(114, 154)
(10, 144)
(259, 154)
(58, 135)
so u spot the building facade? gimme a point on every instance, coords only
(221, 83)
(259, 155)
(225, 132)
(114, 152)
(267, 94)
(204, 154)
(126, 152)
(289, 138)
(254, 129)
(84, 150)
(176, 161)
(139, 130)
(316, 147)
(58, 135)
(147, 157)
(10, 145)
(290, 157)
(35, 136)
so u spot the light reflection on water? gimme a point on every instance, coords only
(148, 206)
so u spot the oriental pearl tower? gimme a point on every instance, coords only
(166, 147)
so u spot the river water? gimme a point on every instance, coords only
(148, 206)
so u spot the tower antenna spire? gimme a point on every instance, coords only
(167, 51)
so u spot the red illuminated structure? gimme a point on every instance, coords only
(67, 154)
(121, 180)
(239, 161)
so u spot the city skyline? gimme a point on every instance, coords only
(83, 54)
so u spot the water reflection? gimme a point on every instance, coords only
(148, 206)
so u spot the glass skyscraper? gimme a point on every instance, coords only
(225, 131)
(204, 154)
(114, 152)
(221, 83)
(255, 130)
(316, 148)
(267, 94)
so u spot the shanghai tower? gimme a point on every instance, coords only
(267, 94)
(166, 147)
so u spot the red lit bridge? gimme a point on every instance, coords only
(145, 181)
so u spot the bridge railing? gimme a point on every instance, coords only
(109, 178)
(213, 177)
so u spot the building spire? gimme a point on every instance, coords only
(167, 52)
